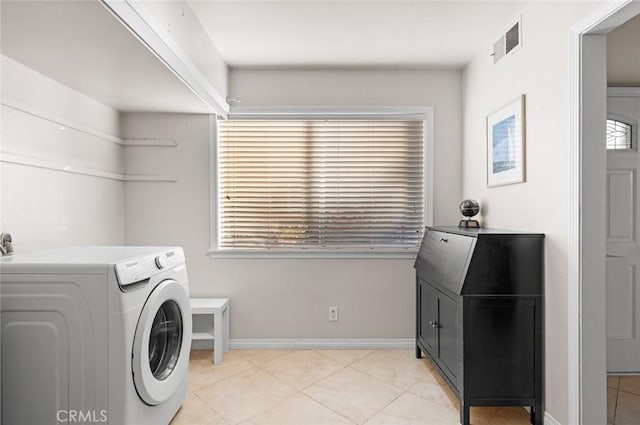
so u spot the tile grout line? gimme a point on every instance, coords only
(301, 391)
(425, 398)
(253, 366)
(384, 407)
(328, 407)
(225, 378)
(348, 364)
(629, 392)
(320, 402)
(403, 391)
(388, 383)
(257, 367)
(221, 380)
(620, 390)
(343, 368)
(207, 386)
(268, 408)
(211, 407)
(490, 421)
(379, 379)
(284, 352)
(615, 405)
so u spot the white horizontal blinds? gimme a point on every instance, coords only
(619, 135)
(321, 183)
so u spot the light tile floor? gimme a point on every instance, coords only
(623, 400)
(325, 387)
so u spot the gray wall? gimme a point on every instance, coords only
(43, 208)
(623, 55)
(288, 298)
(539, 69)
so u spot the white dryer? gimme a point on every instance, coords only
(94, 335)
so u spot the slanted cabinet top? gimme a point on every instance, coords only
(481, 261)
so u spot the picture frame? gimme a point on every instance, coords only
(506, 144)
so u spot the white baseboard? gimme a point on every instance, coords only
(550, 420)
(315, 344)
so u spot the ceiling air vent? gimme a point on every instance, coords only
(509, 42)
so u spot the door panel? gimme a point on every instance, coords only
(622, 305)
(447, 328)
(621, 199)
(510, 367)
(428, 315)
(622, 295)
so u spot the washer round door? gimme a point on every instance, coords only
(160, 357)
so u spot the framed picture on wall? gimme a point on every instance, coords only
(506, 144)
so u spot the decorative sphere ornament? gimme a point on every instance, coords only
(469, 208)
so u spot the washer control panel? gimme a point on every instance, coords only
(139, 269)
(161, 262)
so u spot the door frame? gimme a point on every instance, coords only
(587, 215)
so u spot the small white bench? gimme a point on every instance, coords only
(218, 308)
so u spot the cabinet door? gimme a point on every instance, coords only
(501, 342)
(448, 324)
(428, 316)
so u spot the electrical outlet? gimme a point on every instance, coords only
(333, 314)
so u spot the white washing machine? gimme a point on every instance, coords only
(94, 335)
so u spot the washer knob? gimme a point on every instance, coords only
(161, 262)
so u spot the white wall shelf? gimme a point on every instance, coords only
(67, 124)
(63, 122)
(148, 178)
(149, 142)
(11, 158)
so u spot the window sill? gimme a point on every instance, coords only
(311, 254)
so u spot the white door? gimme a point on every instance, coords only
(623, 237)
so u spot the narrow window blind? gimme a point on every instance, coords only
(619, 135)
(320, 184)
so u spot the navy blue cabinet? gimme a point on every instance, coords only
(479, 315)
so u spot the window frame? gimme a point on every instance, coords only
(419, 113)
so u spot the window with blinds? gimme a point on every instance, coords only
(619, 135)
(320, 184)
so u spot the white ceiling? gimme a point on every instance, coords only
(81, 45)
(352, 33)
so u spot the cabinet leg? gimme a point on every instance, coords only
(536, 414)
(465, 416)
(418, 352)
